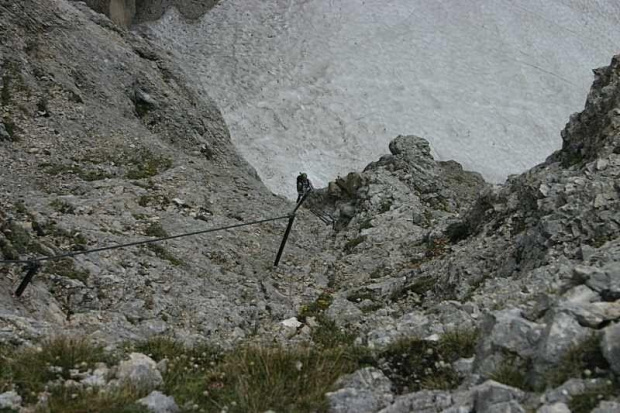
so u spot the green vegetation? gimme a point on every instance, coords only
(17, 241)
(413, 364)
(586, 402)
(352, 243)
(385, 206)
(62, 206)
(146, 165)
(586, 355)
(512, 373)
(250, 379)
(164, 254)
(66, 268)
(29, 369)
(316, 308)
(156, 230)
(245, 379)
(150, 200)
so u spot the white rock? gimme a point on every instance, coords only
(292, 322)
(140, 371)
(158, 402)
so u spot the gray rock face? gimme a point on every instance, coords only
(126, 12)
(140, 371)
(610, 345)
(496, 397)
(562, 332)
(365, 391)
(607, 407)
(4, 134)
(554, 408)
(423, 402)
(158, 402)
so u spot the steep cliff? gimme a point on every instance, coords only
(432, 290)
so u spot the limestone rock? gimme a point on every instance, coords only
(610, 345)
(607, 407)
(366, 390)
(496, 397)
(140, 371)
(425, 401)
(554, 408)
(158, 402)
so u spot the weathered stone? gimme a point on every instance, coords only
(98, 378)
(140, 371)
(158, 402)
(562, 332)
(566, 391)
(554, 408)
(593, 314)
(4, 135)
(343, 311)
(505, 331)
(425, 401)
(491, 393)
(505, 407)
(610, 345)
(366, 390)
(607, 407)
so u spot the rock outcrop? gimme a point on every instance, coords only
(127, 12)
(103, 141)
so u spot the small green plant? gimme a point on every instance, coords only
(66, 268)
(164, 254)
(259, 379)
(385, 206)
(316, 308)
(328, 335)
(156, 230)
(584, 356)
(147, 165)
(366, 224)
(511, 374)
(150, 200)
(62, 206)
(413, 364)
(30, 370)
(458, 344)
(17, 241)
(352, 243)
(589, 400)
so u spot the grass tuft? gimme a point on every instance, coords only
(585, 356)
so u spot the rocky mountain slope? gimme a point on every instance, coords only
(432, 291)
